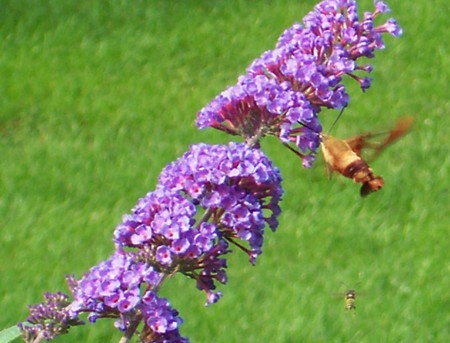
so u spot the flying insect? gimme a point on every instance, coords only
(344, 156)
(350, 299)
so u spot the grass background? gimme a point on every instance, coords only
(98, 96)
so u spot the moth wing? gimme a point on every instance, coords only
(358, 143)
(328, 168)
(368, 140)
(327, 157)
(401, 128)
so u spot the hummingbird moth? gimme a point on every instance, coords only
(344, 156)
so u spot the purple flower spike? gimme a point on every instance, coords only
(162, 321)
(284, 90)
(112, 289)
(240, 187)
(49, 319)
(210, 196)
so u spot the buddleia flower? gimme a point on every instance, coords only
(283, 91)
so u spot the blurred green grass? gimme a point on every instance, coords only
(98, 96)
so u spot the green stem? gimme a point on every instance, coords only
(130, 331)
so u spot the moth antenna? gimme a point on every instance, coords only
(309, 127)
(337, 118)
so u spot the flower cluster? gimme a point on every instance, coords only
(283, 91)
(112, 288)
(122, 287)
(210, 196)
(49, 319)
(161, 320)
(236, 185)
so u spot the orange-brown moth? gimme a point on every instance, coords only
(344, 156)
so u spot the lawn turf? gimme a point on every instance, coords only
(98, 96)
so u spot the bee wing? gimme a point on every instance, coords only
(337, 295)
(366, 141)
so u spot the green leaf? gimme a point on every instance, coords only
(9, 334)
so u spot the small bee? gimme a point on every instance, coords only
(349, 296)
(350, 299)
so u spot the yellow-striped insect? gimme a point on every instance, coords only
(350, 299)
(349, 296)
